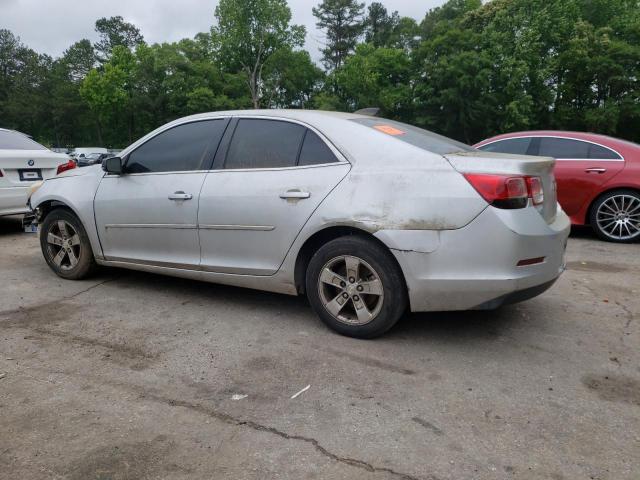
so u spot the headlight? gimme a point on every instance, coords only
(34, 187)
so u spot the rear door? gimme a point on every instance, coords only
(268, 181)
(581, 169)
(149, 214)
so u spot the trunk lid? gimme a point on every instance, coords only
(517, 165)
(21, 168)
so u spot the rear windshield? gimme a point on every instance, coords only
(415, 136)
(17, 141)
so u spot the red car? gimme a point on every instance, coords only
(598, 177)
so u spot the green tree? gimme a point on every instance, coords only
(342, 21)
(379, 26)
(115, 32)
(107, 92)
(248, 32)
(377, 77)
(291, 79)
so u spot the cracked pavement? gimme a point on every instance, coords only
(133, 376)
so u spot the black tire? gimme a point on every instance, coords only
(601, 213)
(376, 263)
(81, 250)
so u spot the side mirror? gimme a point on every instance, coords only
(112, 165)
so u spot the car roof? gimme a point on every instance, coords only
(352, 139)
(309, 116)
(587, 136)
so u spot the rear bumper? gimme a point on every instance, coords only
(13, 200)
(475, 267)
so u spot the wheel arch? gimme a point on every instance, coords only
(47, 206)
(320, 238)
(609, 190)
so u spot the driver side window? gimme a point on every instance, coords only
(184, 148)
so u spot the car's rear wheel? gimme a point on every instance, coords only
(615, 216)
(65, 245)
(356, 287)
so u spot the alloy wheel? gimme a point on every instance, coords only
(63, 245)
(618, 217)
(351, 290)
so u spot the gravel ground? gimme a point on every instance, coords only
(135, 376)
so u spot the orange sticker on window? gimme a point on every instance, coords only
(389, 130)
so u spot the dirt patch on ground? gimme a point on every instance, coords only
(614, 388)
(595, 267)
(126, 461)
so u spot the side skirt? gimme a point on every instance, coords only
(275, 283)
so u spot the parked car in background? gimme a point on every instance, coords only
(368, 217)
(24, 162)
(92, 159)
(598, 177)
(81, 152)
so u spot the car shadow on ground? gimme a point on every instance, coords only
(11, 225)
(450, 326)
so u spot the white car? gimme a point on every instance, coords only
(24, 162)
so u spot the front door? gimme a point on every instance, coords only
(149, 214)
(252, 208)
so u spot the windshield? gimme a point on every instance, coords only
(10, 140)
(415, 136)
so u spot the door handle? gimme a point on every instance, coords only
(599, 171)
(294, 194)
(180, 195)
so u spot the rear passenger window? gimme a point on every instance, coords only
(315, 151)
(515, 146)
(563, 148)
(260, 143)
(180, 149)
(602, 153)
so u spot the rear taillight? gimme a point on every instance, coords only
(534, 184)
(70, 165)
(506, 191)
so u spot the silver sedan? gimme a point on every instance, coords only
(367, 217)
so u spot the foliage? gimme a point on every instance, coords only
(249, 32)
(342, 20)
(469, 70)
(115, 32)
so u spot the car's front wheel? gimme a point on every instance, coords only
(356, 287)
(65, 245)
(615, 216)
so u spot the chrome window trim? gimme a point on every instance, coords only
(621, 159)
(301, 167)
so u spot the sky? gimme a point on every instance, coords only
(51, 26)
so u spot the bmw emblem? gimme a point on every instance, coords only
(31, 163)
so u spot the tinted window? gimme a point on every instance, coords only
(415, 136)
(315, 151)
(563, 148)
(515, 146)
(264, 144)
(601, 153)
(17, 141)
(182, 148)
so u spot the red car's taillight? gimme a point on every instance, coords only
(506, 191)
(70, 165)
